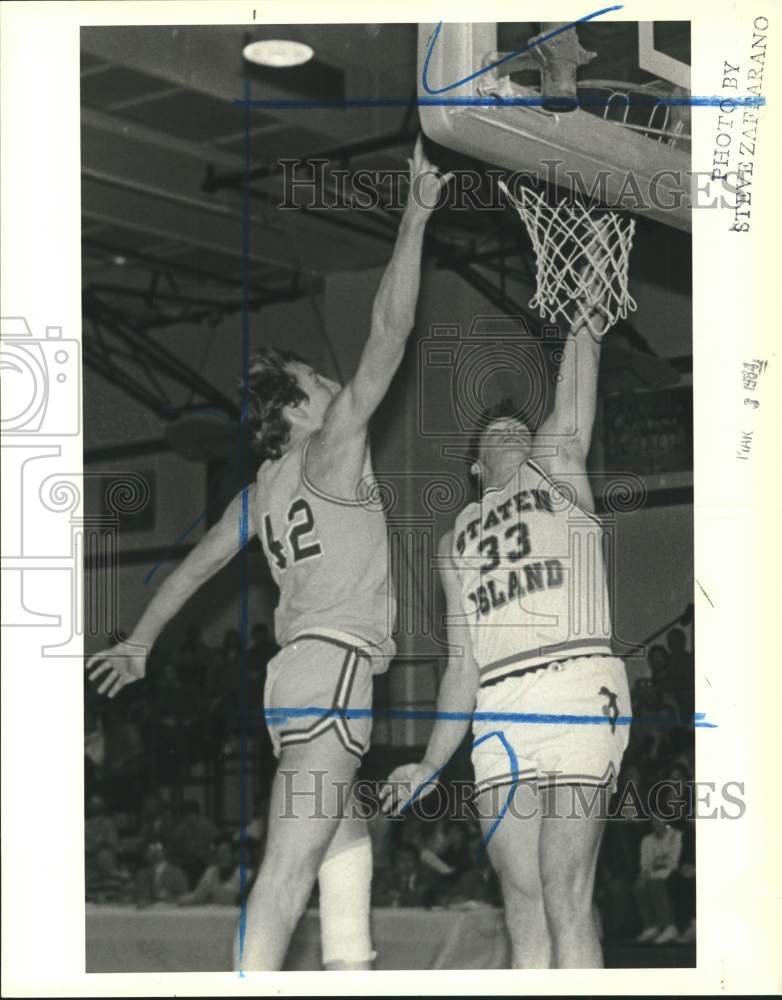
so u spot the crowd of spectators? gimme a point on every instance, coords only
(645, 885)
(188, 711)
(145, 848)
(167, 856)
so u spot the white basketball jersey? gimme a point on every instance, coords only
(532, 576)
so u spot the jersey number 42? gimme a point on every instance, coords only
(300, 543)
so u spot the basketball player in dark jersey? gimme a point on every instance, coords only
(530, 633)
(325, 539)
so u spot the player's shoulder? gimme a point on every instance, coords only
(445, 545)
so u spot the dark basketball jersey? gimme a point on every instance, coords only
(328, 556)
(532, 576)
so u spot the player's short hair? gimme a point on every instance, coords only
(271, 386)
(506, 407)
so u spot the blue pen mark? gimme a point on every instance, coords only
(422, 788)
(279, 716)
(435, 97)
(489, 101)
(513, 762)
(505, 58)
(177, 541)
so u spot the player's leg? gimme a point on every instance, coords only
(514, 850)
(570, 840)
(308, 802)
(345, 884)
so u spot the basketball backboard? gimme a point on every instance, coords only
(601, 108)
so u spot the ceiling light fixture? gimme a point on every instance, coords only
(277, 52)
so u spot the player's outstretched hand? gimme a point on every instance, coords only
(426, 181)
(112, 669)
(404, 782)
(591, 307)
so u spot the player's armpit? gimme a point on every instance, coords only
(566, 467)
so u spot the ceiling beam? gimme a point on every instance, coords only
(147, 352)
(343, 152)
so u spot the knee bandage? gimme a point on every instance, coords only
(345, 882)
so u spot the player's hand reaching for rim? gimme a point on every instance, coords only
(403, 783)
(112, 669)
(426, 181)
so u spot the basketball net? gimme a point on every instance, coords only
(582, 257)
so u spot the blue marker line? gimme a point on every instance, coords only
(181, 538)
(278, 716)
(505, 58)
(490, 101)
(514, 770)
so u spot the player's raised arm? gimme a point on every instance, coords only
(393, 311)
(124, 663)
(455, 700)
(566, 433)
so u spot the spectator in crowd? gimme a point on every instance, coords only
(225, 686)
(682, 672)
(384, 836)
(203, 656)
(229, 663)
(456, 852)
(99, 828)
(659, 858)
(221, 882)
(159, 880)
(94, 745)
(106, 881)
(158, 822)
(617, 871)
(256, 834)
(263, 647)
(122, 776)
(192, 840)
(433, 846)
(444, 857)
(173, 708)
(262, 650)
(659, 660)
(682, 884)
(405, 883)
(656, 718)
(474, 881)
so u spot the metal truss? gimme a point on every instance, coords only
(122, 351)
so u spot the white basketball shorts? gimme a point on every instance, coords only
(567, 723)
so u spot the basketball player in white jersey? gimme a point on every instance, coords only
(325, 540)
(530, 634)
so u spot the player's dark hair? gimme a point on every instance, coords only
(271, 386)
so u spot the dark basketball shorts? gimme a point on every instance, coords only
(316, 685)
